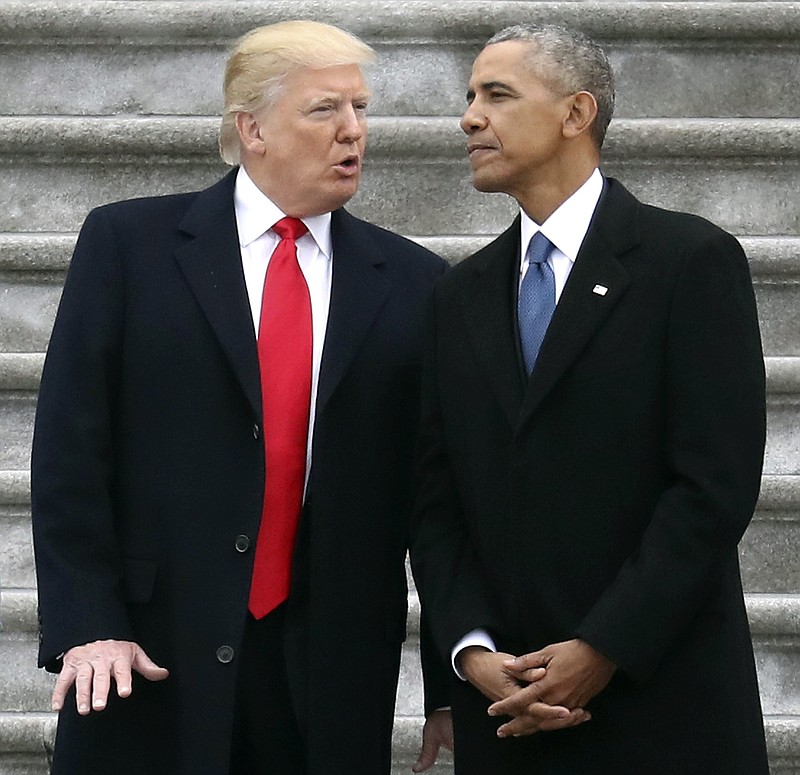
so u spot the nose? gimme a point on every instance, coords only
(472, 120)
(352, 126)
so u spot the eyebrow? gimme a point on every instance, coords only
(338, 97)
(489, 85)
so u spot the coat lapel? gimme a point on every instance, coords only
(212, 265)
(358, 291)
(489, 316)
(596, 283)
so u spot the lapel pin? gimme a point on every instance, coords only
(600, 290)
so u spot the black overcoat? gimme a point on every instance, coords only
(148, 477)
(604, 499)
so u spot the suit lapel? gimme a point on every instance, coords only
(358, 291)
(596, 283)
(212, 265)
(489, 317)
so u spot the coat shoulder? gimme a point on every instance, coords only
(678, 232)
(403, 252)
(145, 212)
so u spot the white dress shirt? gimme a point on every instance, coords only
(256, 214)
(566, 228)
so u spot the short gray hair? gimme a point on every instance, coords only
(568, 62)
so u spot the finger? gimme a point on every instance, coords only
(101, 683)
(149, 669)
(83, 688)
(65, 679)
(517, 703)
(122, 677)
(426, 759)
(527, 661)
(537, 721)
(577, 716)
(529, 675)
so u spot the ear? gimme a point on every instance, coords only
(249, 129)
(581, 116)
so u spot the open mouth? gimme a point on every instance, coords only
(349, 164)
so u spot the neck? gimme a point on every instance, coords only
(544, 195)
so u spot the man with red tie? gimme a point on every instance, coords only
(220, 472)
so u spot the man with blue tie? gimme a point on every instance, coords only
(592, 440)
(223, 450)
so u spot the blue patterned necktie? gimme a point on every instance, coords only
(537, 299)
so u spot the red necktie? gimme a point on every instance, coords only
(284, 356)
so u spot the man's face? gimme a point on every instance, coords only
(513, 122)
(313, 136)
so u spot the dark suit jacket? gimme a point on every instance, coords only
(148, 464)
(605, 498)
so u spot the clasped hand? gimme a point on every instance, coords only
(542, 691)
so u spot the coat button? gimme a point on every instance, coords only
(242, 544)
(256, 431)
(225, 654)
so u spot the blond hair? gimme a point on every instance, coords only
(263, 57)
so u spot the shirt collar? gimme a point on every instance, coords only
(256, 213)
(566, 228)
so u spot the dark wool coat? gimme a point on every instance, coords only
(148, 469)
(604, 499)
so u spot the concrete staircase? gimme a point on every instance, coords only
(113, 99)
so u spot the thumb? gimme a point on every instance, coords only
(527, 661)
(427, 755)
(145, 666)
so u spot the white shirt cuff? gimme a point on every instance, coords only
(474, 638)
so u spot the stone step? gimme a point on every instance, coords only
(769, 551)
(26, 731)
(112, 57)
(32, 267)
(774, 624)
(17, 409)
(46, 255)
(26, 744)
(740, 173)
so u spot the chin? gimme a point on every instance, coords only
(486, 185)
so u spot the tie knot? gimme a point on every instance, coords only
(290, 228)
(539, 248)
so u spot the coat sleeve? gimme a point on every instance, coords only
(77, 556)
(714, 436)
(453, 593)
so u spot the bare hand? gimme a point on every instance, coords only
(575, 673)
(437, 733)
(487, 672)
(91, 667)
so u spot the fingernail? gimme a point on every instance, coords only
(500, 733)
(83, 708)
(98, 703)
(56, 706)
(492, 712)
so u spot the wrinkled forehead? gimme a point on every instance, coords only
(340, 82)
